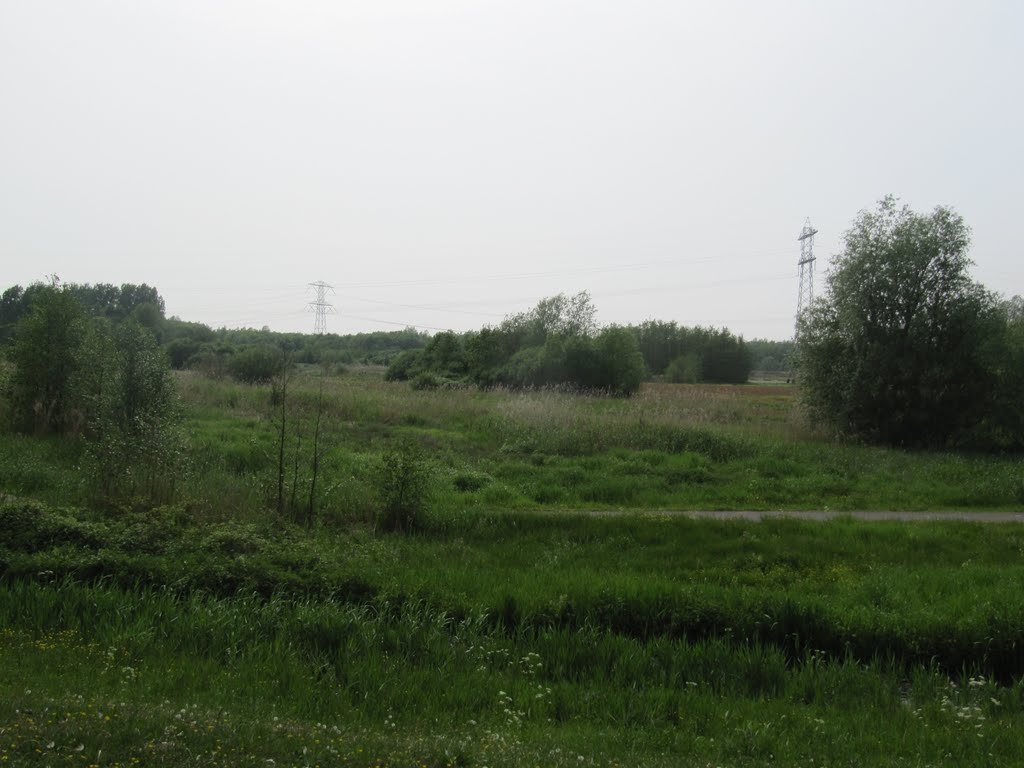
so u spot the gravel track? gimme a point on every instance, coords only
(821, 515)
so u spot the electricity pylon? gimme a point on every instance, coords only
(321, 306)
(806, 264)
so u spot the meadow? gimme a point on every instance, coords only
(511, 627)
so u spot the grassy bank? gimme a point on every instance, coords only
(113, 676)
(942, 594)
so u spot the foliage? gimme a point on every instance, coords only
(32, 527)
(403, 483)
(45, 344)
(109, 383)
(377, 348)
(133, 417)
(710, 355)
(685, 369)
(426, 380)
(184, 341)
(141, 302)
(555, 344)
(195, 345)
(769, 355)
(112, 302)
(255, 365)
(561, 315)
(15, 303)
(900, 350)
(1000, 425)
(619, 368)
(405, 366)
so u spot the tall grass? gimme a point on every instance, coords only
(673, 446)
(389, 676)
(941, 594)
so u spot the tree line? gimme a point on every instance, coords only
(555, 343)
(691, 355)
(113, 302)
(243, 353)
(558, 343)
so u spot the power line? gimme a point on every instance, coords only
(423, 307)
(548, 273)
(393, 322)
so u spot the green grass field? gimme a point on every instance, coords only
(209, 632)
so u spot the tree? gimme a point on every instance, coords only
(622, 369)
(1001, 425)
(685, 369)
(126, 394)
(46, 341)
(660, 343)
(724, 359)
(896, 350)
(559, 315)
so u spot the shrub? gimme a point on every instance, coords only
(233, 539)
(31, 527)
(425, 381)
(133, 422)
(403, 482)
(255, 365)
(685, 369)
(405, 365)
(470, 481)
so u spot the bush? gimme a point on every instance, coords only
(405, 365)
(470, 481)
(255, 365)
(685, 369)
(426, 381)
(32, 527)
(133, 424)
(403, 482)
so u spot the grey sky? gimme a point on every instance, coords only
(445, 163)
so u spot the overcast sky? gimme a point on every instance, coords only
(445, 163)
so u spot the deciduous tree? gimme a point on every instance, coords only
(898, 349)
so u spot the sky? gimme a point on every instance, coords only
(444, 164)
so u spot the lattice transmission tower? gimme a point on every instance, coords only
(320, 306)
(806, 264)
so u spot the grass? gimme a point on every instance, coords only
(672, 447)
(139, 676)
(209, 632)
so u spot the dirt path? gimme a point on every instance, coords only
(971, 517)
